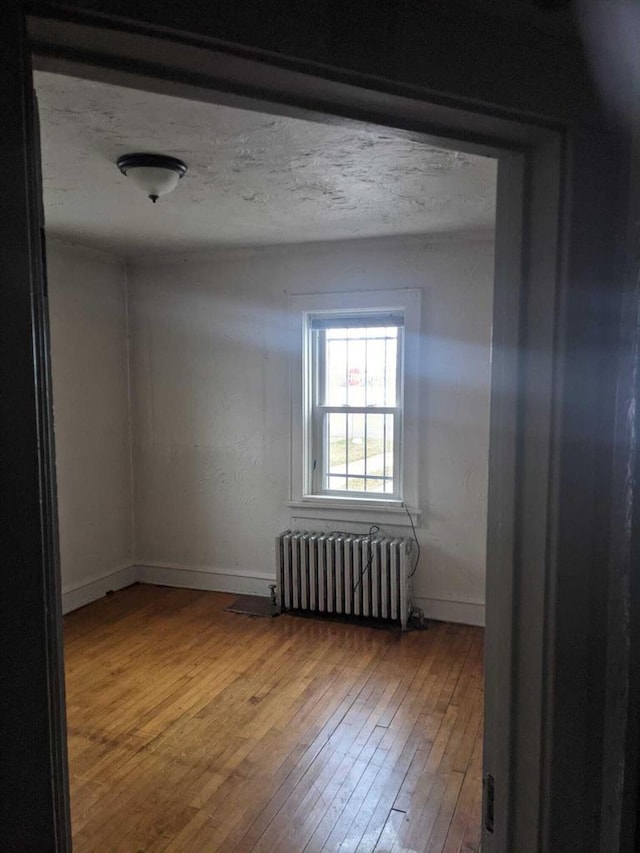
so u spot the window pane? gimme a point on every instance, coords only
(337, 440)
(356, 371)
(335, 391)
(379, 446)
(355, 484)
(360, 452)
(337, 484)
(388, 446)
(375, 372)
(390, 368)
(356, 447)
(360, 366)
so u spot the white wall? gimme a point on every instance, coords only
(87, 304)
(211, 420)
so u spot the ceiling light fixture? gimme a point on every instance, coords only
(155, 174)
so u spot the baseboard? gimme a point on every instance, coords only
(237, 581)
(445, 610)
(84, 593)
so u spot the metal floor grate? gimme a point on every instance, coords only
(252, 605)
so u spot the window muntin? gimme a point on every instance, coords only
(356, 398)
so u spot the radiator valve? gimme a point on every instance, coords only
(417, 620)
(275, 610)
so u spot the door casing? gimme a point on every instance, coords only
(532, 270)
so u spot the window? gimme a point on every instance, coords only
(354, 397)
(355, 423)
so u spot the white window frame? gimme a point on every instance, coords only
(302, 307)
(315, 359)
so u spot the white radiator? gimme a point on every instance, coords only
(341, 573)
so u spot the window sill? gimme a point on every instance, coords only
(352, 509)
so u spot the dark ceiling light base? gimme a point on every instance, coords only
(156, 174)
(150, 161)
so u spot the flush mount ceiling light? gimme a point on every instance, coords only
(155, 174)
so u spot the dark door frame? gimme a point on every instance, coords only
(549, 462)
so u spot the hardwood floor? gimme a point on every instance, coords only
(192, 729)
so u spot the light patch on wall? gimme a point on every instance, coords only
(211, 385)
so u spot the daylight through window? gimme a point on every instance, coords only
(356, 404)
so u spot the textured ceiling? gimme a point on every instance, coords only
(253, 179)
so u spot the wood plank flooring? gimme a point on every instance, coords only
(192, 729)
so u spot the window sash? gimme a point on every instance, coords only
(320, 472)
(318, 352)
(361, 320)
(360, 410)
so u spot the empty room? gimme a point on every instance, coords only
(271, 346)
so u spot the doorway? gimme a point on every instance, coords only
(506, 419)
(192, 294)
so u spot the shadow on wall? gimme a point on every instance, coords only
(438, 565)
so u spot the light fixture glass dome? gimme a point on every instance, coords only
(155, 174)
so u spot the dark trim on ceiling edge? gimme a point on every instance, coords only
(314, 68)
